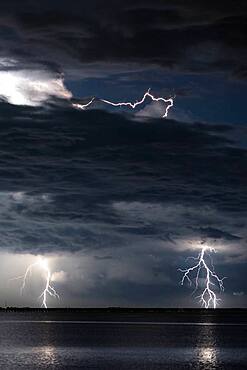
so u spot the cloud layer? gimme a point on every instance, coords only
(200, 36)
(69, 177)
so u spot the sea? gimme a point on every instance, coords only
(115, 340)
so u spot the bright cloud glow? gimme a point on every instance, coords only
(31, 88)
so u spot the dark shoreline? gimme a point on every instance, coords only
(124, 315)
(126, 310)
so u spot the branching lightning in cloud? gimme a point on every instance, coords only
(139, 102)
(169, 102)
(204, 269)
(37, 87)
(42, 263)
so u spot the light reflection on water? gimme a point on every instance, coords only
(46, 355)
(118, 358)
(208, 356)
(207, 350)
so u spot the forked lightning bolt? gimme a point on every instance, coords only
(48, 290)
(169, 103)
(204, 268)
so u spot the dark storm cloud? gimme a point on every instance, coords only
(74, 180)
(210, 232)
(200, 36)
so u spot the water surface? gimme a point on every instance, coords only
(79, 341)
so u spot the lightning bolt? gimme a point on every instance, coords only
(147, 94)
(48, 290)
(204, 268)
(83, 106)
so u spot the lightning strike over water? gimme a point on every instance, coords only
(204, 269)
(48, 290)
(147, 94)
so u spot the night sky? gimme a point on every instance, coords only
(117, 199)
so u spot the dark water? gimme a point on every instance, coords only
(50, 341)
